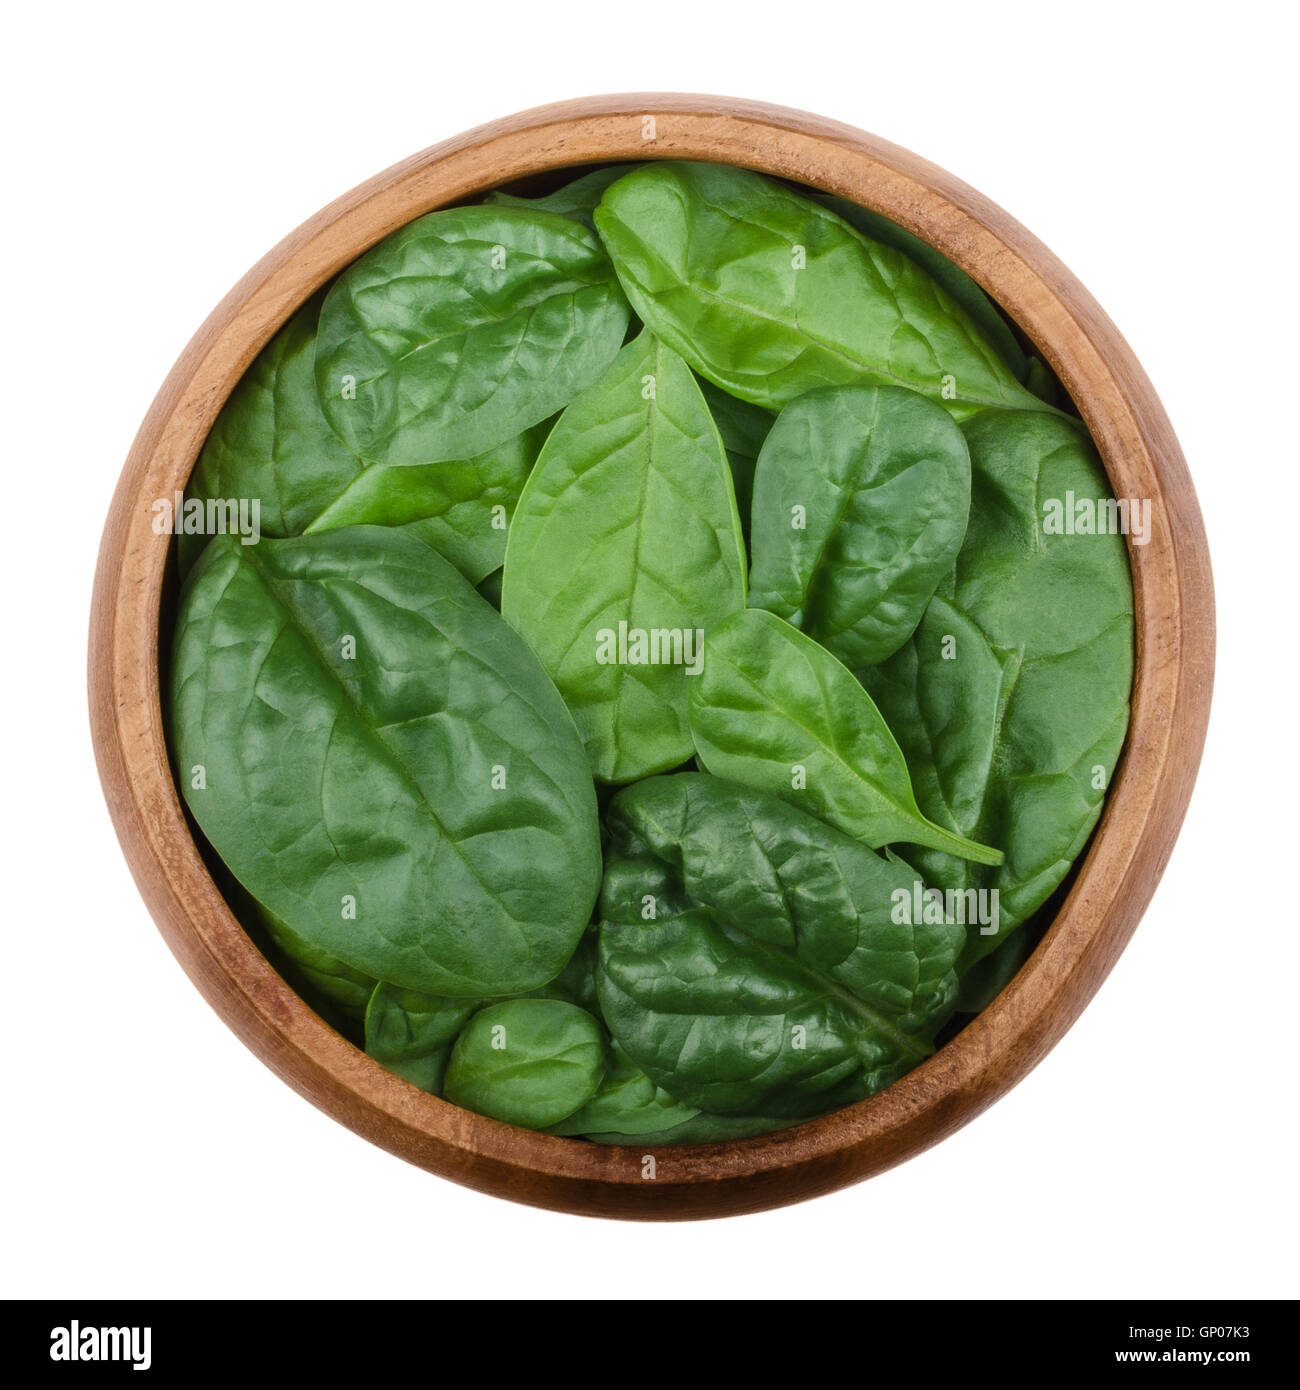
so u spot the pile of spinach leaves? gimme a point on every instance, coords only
(654, 659)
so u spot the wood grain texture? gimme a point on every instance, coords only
(1174, 670)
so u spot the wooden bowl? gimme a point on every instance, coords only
(1175, 656)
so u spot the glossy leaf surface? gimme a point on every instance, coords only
(463, 329)
(1011, 699)
(411, 1033)
(272, 441)
(950, 277)
(382, 762)
(771, 295)
(627, 525)
(860, 503)
(776, 711)
(773, 976)
(529, 1062)
(627, 1103)
(462, 508)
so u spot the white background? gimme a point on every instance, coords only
(154, 152)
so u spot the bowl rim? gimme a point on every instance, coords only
(1174, 660)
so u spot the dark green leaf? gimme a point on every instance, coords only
(776, 711)
(529, 1062)
(272, 442)
(990, 975)
(384, 765)
(770, 295)
(793, 981)
(315, 972)
(1042, 381)
(628, 1103)
(462, 330)
(1011, 699)
(460, 508)
(953, 280)
(860, 503)
(411, 1033)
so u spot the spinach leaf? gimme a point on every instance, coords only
(463, 329)
(315, 973)
(1011, 698)
(770, 295)
(624, 546)
(951, 278)
(272, 442)
(460, 508)
(412, 1033)
(381, 761)
(860, 503)
(982, 982)
(743, 428)
(776, 711)
(576, 200)
(529, 1062)
(627, 1103)
(778, 978)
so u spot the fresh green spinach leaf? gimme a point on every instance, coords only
(401, 798)
(1011, 699)
(860, 503)
(1045, 384)
(951, 278)
(460, 508)
(462, 330)
(318, 974)
(754, 960)
(776, 711)
(770, 295)
(529, 1062)
(627, 1103)
(272, 442)
(412, 1033)
(982, 982)
(381, 761)
(625, 546)
(576, 199)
